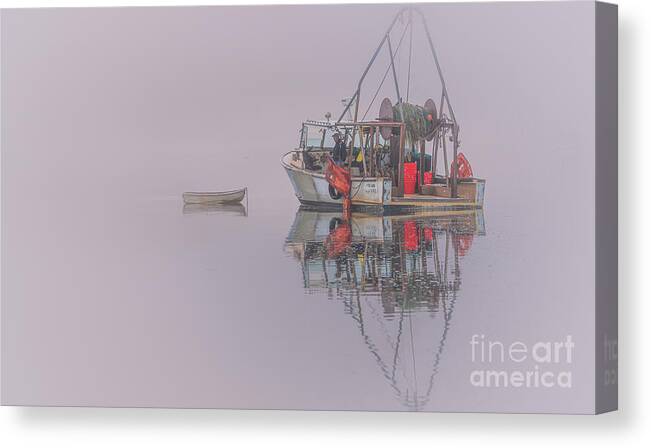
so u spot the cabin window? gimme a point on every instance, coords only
(320, 137)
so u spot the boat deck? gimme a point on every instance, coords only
(420, 198)
(429, 202)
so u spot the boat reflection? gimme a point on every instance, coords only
(225, 209)
(398, 277)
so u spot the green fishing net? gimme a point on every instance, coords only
(416, 124)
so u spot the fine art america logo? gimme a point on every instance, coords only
(515, 364)
(610, 360)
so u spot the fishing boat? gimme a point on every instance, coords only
(398, 161)
(217, 197)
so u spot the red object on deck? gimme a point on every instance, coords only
(410, 177)
(411, 235)
(428, 234)
(465, 170)
(427, 178)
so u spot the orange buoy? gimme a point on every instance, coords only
(463, 165)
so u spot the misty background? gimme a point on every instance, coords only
(109, 114)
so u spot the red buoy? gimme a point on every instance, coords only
(465, 170)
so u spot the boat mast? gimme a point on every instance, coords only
(445, 100)
(355, 96)
(444, 96)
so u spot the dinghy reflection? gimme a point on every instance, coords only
(224, 209)
(398, 277)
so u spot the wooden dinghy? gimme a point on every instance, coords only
(216, 197)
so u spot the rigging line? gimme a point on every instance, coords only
(413, 354)
(374, 349)
(411, 39)
(380, 318)
(386, 73)
(398, 337)
(368, 67)
(447, 317)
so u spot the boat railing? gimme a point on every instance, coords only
(368, 148)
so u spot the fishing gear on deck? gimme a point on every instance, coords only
(418, 120)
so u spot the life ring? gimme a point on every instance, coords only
(334, 194)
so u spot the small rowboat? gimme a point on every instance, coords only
(217, 197)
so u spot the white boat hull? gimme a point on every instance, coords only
(222, 197)
(313, 188)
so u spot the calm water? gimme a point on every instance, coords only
(397, 279)
(264, 307)
(384, 287)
